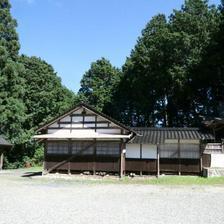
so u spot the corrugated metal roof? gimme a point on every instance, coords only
(159, 135)
(3, 142)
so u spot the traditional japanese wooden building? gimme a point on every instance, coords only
(84, 139)
(4, 145)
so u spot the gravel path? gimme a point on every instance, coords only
(24, 200)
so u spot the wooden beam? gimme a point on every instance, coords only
(95, 122)
(78, 128)
(1, 160)
(45, 154)
(70, 153)
(86, 122)
(179, 159)
(80, 115)
(140, 172)
(94, 158)
(158, 160)
(200, 156)
(122, 159)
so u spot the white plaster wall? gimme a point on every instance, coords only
(217, 160)
(133, 151)
(54, 125)
(66, 119)
(77, 119)
(149, 151)
(58, 131)
(92, 118)
(109, 131)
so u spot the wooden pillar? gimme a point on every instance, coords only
(69, 154)
(45, 155)
(158, 161)
(94, 157)
(200, 156)
(179, 159)
(122, 159)
(1, 160)
(140, 172)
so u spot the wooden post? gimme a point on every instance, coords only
(201, 154)
(140, 172)
(45, 156)
(122, 159)
(69, 153)
(1, 160)
(94, 158)
(158, 161)
(179, 161)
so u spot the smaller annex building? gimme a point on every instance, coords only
(83, 139)
(4, 145)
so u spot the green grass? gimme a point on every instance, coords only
(165, 180)
(162, 180)
(183, 180)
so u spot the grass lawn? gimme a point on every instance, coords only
(151, 180)
(183, 180)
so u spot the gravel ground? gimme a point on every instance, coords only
(24, 200)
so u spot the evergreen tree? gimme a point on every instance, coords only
(45, 97)
(98, 83)
(208, 83)
(8, 36)
(12, 109)
(156, 88)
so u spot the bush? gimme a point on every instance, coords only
(38, 157)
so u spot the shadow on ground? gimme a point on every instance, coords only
(32, 174)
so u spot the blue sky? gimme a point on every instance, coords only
(70, 34)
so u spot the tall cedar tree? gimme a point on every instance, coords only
(45, 97)
(8, 36)
(98, 84)
(30, 92)
(12, 109)
(208, 82)
(155, 88)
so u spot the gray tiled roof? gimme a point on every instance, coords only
(3, 142)
(158, 135)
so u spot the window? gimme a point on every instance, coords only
(87, 148)
(57, 147)
(190, 151)
(169, 151)
(108, 148)
(187, 151)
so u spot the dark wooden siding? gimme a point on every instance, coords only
(87, 162)
(206, 160)
(166, 165)
(182, 165)
(141, 165)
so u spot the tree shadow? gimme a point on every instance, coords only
(32, 174)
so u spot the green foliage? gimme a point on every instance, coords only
(38, 157)
(45, 97)
(173, 76)
(30, 93)
(98, 83)
(8, 35)
(158, 83)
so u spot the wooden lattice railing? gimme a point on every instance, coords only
(68, 159)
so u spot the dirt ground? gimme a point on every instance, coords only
(49, 200)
